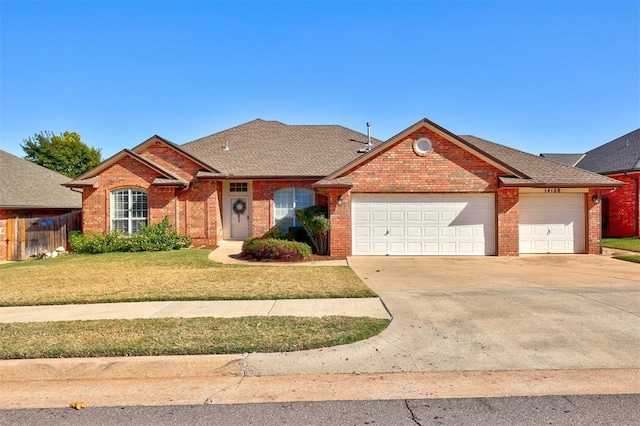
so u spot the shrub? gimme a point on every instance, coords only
(274, 249)
(274, 233)
(315, 221)
(155, 237)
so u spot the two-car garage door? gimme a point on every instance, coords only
(404, 224)
(428, 224)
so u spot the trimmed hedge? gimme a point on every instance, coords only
(274, 249)
(156, 237)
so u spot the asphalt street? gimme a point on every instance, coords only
(543, 410)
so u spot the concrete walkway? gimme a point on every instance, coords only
(228, 252)
(362, 307)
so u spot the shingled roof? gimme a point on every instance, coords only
(566, 159)
(27, 185)
(538, 171)
(262, 148)
(619, 155)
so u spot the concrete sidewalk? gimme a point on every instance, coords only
(357, 307)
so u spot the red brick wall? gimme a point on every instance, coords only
(622, 220)
(171, 160)
(339, 204)
(508, 212)
(194, 211)
(447, 168)
(593, 223)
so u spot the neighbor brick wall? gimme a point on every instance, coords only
(508, 215)
(623, 220)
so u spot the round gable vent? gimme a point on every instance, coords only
(422, 146)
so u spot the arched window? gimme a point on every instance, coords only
(287, 201)
(129, 210)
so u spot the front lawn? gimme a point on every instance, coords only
(631, 244)
(173, 275)
(180, 336)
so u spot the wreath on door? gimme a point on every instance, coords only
(239, 207)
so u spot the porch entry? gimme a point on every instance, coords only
(240, 217)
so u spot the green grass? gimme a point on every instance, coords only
(179, 336)
(631, 244)
(173, 275)
(635, 259)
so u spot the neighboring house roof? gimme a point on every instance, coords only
(619, 155)
(566, 159)
(262, 148)
(28, 185)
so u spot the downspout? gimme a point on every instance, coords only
(637, 203)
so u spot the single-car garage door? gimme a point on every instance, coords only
(403, 224)
(551, 223)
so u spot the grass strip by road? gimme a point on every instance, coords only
(630, 244)
(181, 336)
(174, 275)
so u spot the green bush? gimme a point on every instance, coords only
(155, 237)
(274, 233)
(274, 249)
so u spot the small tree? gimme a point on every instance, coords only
(64, 153)
(315, 221)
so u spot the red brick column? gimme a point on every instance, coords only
(593, 223)
(508, 216)
(340, 215)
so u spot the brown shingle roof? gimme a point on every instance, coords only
(540, 171)
(27, 185)
(262, 148)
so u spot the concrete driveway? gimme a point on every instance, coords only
(488, 314)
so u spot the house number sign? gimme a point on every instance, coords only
(552, 190)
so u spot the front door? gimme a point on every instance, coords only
(240, 223)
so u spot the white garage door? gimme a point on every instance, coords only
(389, 224)
(551, 223)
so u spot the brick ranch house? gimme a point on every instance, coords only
(619, 159)
(29, 190)
(425, 191)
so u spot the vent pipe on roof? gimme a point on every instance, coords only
(226, 146)
(368, 148)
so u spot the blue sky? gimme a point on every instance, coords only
(540, 76)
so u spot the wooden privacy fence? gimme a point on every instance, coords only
(29, 237)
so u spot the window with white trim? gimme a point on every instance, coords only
(129, 210)
(238, 187)
(287, 201)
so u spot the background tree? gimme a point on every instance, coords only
(64, 153)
